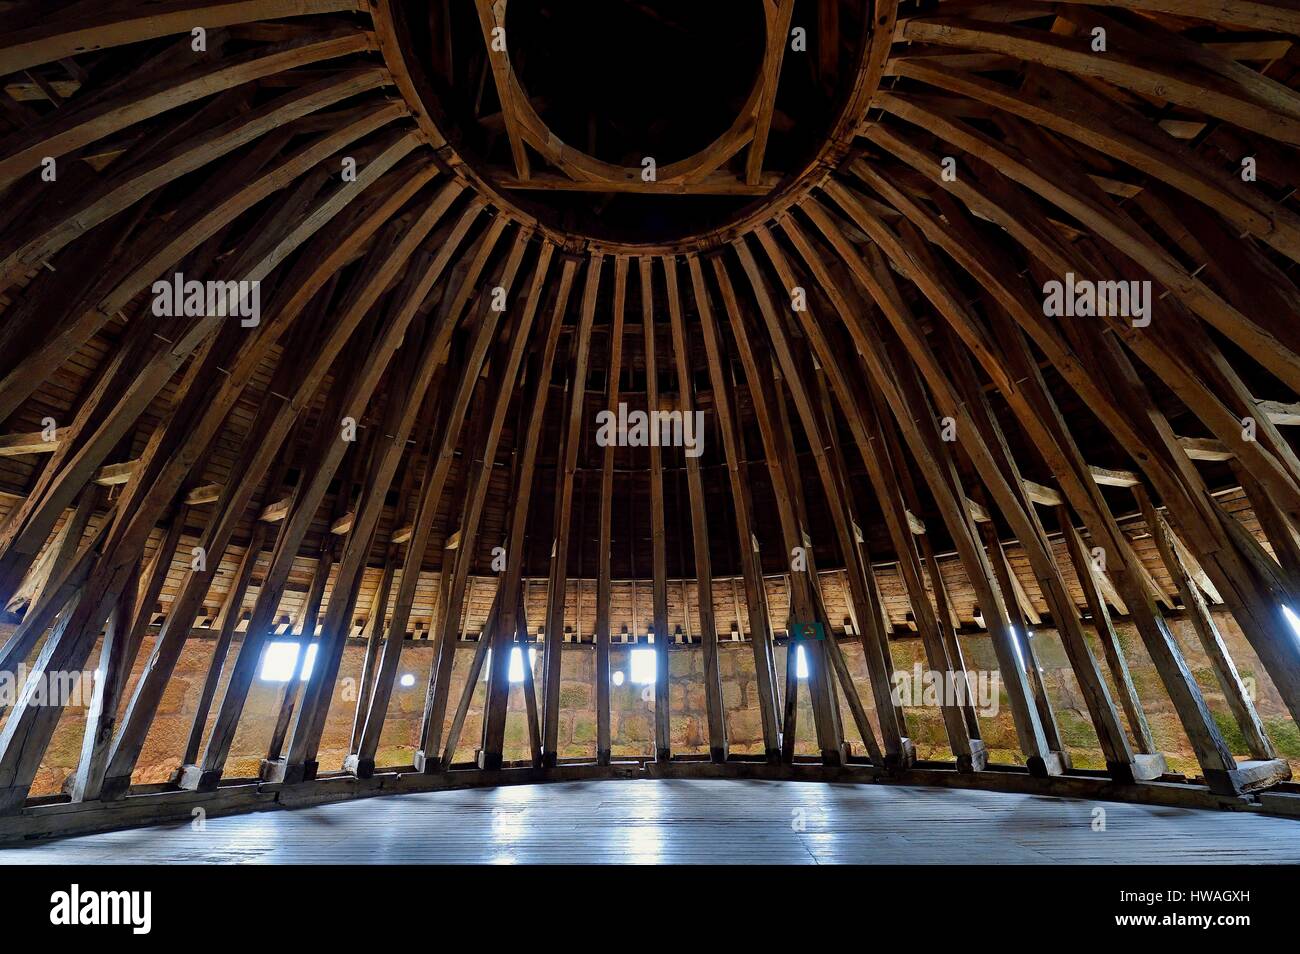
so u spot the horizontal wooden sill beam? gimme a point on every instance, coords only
(715, 184)
(204, 494)
(15, 445)
(1041, 494)
(1205, 448)
(111, 475)
(275, 512)
(977, 511)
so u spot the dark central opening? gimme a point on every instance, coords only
(623, 80)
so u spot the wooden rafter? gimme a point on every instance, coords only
(165, 477)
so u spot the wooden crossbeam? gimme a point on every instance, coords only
(1113, 478)
(1040, 494)
(15, 445)
(778, 29)
(275, 512)
(491, 16)
(715, 183)
(204, 494)
(1205, 448)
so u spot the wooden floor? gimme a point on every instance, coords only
(648, 821)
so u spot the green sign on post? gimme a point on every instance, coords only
(808, 631)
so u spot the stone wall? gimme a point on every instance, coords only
(632, 707)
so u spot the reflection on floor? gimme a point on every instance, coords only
(649, 821)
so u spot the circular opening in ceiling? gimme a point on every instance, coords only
(622, 80)
(559, 106)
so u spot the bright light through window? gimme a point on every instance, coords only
(516, 673)
(1293, 619)
(408, 680)
(800, 663)
(517, 663)
(643, 666)
(1015, 642)
(618, 677)
(280, 658)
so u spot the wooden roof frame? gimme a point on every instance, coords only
(869, 338)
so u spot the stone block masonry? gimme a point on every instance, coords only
(632, 712)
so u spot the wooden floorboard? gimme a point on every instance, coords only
(697, 821)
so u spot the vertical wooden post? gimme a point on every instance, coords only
(912, 410)
(1106, 635)
(494, 723)
(564, 504)
(760, 625)
(658, 541)
(1025, 652)
(229, 617)
(714, 712)
(374, 636)
(1252, 729)
(806, 607)
(603, 553)
(306, 637)
(306, 499)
